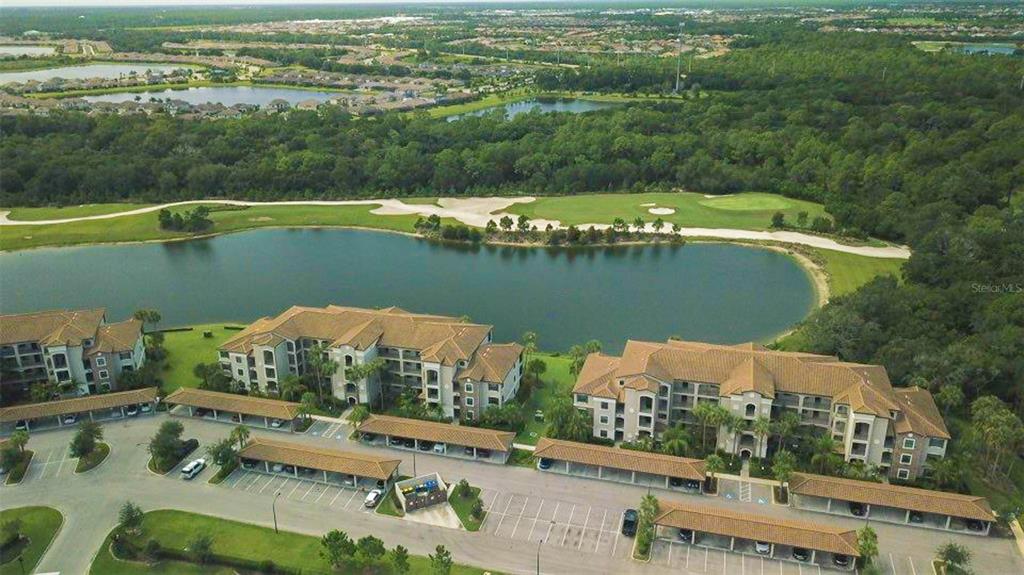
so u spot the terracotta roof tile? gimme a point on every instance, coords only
(898, 496)
(57, 327)
(336, 460)
(920, 414)
(231, 402)
(616, 458)
(438, 432)
(78, 404)
(722, 521)
(492, 362)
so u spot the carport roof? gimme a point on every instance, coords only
(258, 406)
(78, 404)
(290, 453)
(898, 496)
(616, 458)
(722, 521)
(438, 432)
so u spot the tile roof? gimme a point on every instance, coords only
(747, 367)
(492, 362)
(231, 402)
(291, 453)
(440, 339)
(78, 404)
(616, 458)
(722, 521)
(897, 496)
(117, 337)
(438, 432)
(920, 414)
(56, 327)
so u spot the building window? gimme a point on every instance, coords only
(238, 359)
(493, 387)
(906, 459)
(63, 376)
(604, 419)
(86, 343)
(493, 401)
(604, 405)
(469, 415)
(101, 361)
(60, 360)
(223, 355)
(903, 473)
(751, 410)
(469, 402)
(290, 345)
(937, 442)
(581, 398)
(604, 434)
(104, 374)
(270, 372)
(125, 355)
(348, 361)
(268, 356)
(241, 372)
(469, 389)
(909, 443)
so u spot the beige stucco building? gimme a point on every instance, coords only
(652, 386)
(69, 347)
(452, 364)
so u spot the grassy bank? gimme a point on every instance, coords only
(39, 525)
(174, 529)
(749, 211)
(144, 227)
(847, 272)
(185, 349)
(84, 210)
(555, 382)
(98, 455)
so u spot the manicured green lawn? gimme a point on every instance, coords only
(847, 272)
(463, 507)
(390, 505)
(144, 226)
(90, 461)
(556, 382)
(36, 214)
(17, 473)
(40, 525)
(187, 348)
(749, 211)
(174, 529)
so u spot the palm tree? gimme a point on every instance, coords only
(676, 441)
(824, 452)
(529, 341)
(762, 428)
(714, 464)
(19, 439)
(785, 427)
(358, 415)
(323, 366)
(946, 473)
(240, 434)
(703, 412)
(291, 387)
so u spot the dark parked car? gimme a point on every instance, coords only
(483, 453)
(410, 443)
(857, 509)
(630, 518)
(426, 445)
(841, 560)
(395, 441)
(801, 554)
(545, 463)
(369, 436)
(686, 535)
(975, 525)
(468, 451)
(693, 484)
(675, 481)
(200, 412)
(916, 517)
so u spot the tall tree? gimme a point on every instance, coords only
(323, 367)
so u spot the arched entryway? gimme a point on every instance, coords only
(352, 401)
(745, 454)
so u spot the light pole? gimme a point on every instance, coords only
(539, 542)
(273, 509)
(414, 463)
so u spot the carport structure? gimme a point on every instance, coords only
(476, 443)
(892, 503)
(218, 403)
(737, 532)
(621, 465)
(335, 467)
(98, 407)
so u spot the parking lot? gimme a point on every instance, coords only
(50, 463)
(744, 491)
(297, 490)
(586, 528)
(337, 430)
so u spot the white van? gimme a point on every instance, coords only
(193, 469)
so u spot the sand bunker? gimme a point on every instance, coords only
(662, 211)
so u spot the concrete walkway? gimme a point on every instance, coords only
(477, 212)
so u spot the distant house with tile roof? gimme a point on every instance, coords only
(451, 363)
(652, 386)
(69, 346)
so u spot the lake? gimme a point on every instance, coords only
(710, 292)
(1001, 49)
(85, 71)
(513, 109)
(13, 51)
(227, 95)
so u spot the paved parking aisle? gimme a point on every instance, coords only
(50, 463)
(582, 527)
(296, 490)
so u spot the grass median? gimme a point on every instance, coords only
(17, 473)
(39, 525)
(245, 542)
(555, 382)
(93, 459)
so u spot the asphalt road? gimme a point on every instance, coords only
(572, 522)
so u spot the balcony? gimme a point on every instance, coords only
(388, 353)
(410, 367)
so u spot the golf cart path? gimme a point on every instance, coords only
(478, 211)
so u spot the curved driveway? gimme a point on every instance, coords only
(478, 211)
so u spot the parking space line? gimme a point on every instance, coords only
(520, 518)
(503, 513)
(706, 560)
(535, 517)
(312, 484)
(912, 568)
(255, 479)
(317, 500)
(688, 555)
(600, 531)
(725, 563)
(238, 479)
(297, 484)
(582, 533)
(892, 562)
(354, 493)
(265, 485)
(566, 532)
(61, 466)
(551, 525)
(336, 496)
(670, 546)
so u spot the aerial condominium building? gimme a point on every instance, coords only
(451, 363)
(69, 347)
(652, 386)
